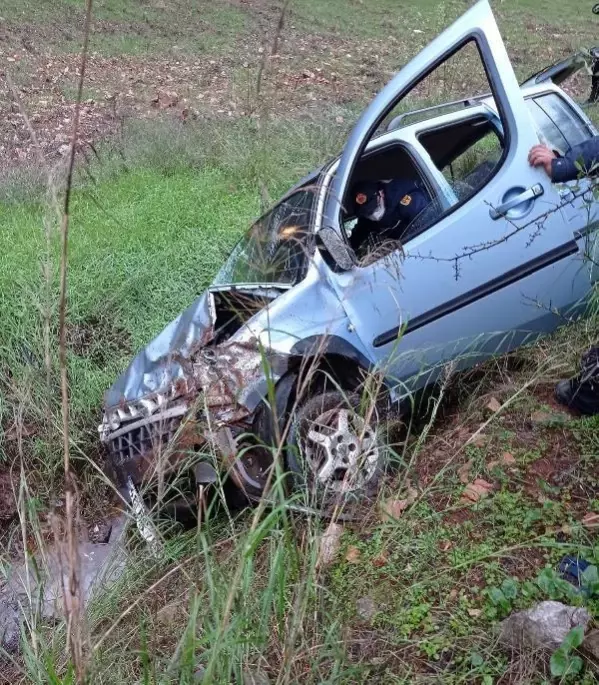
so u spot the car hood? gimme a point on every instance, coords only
(161, 363)
(157, 365)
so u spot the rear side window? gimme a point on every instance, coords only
(559, 125)
(467, 153)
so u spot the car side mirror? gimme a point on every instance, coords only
(336, 252)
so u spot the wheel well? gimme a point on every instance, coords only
(329, 358)
(307, 375)
(335, 371)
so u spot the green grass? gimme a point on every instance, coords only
(155, 241)
(136, 28)
(221, 27)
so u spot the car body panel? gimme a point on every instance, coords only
(426, 282)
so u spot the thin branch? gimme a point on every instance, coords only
(269, 54)
(538, 222)
(72, 596)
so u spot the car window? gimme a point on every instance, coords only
(559, 125)
(473, 162)
(466, 152)
(443, 91)
(277, 247)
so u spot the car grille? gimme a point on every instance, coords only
(142, 439)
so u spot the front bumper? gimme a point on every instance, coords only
(144, 450)
(209, 409)
(136, 447)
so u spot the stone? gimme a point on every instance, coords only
(9, 624)
(464, 471)
(476, 491)
(366, 608)
(590, 648)
(545, 418)
(329, 545)
(493, 405)
(545, 626)
(39, 586)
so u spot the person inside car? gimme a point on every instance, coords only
(384, 210)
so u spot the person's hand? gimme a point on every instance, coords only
(541, 155)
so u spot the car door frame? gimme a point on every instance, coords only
(573, 192)
(477, 24)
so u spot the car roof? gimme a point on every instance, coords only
(472, 107)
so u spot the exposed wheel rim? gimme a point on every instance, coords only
(341, 449)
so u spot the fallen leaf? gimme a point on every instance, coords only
(464, 471)
(476, 491)
(329, 545)
(381, 560)
(353, 555)
(479, 440)
(590, 520)
(493, 405)
(393, 509)
(507, 459)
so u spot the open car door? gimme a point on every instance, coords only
(494, 266)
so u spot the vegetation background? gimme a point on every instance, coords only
(190, 124)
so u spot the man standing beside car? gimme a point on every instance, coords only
(582, 391)
(582, 159)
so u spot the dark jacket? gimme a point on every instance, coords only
(577, 162)
(404, 201)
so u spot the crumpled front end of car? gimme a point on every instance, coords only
(192, 389)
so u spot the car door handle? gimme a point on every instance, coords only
(497, 212)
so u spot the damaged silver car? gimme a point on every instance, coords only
(270, 363)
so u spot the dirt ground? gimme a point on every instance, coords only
(203, 70)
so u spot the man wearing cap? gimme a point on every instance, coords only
(384, 210)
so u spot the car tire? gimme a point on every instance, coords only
(336, 451)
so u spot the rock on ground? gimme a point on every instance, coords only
(545, 626)
(366, 608)
(100, 566)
